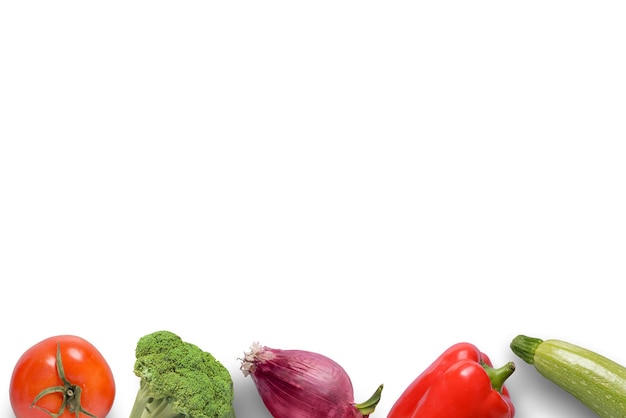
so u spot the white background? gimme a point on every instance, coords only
(373, 181)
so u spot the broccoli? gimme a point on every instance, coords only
(179, 380)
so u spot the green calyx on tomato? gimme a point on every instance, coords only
(71, 393)
(63, 376)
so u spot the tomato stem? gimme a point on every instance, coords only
(71, 393)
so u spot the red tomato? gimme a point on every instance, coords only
(63, 375)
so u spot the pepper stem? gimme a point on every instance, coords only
(368, 407)
(499, 375)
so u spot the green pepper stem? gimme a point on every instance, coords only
(498, 376)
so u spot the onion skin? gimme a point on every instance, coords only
(301, 384)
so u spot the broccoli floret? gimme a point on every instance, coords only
(180, 380)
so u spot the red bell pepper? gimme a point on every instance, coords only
(461, 383)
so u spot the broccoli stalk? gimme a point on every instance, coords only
(179, 380)
(148, 406)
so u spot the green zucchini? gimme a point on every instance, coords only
(596, 381)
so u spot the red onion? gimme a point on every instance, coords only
(302, 384)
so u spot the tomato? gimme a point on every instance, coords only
(63, 376)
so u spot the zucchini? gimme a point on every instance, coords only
(596, 381)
